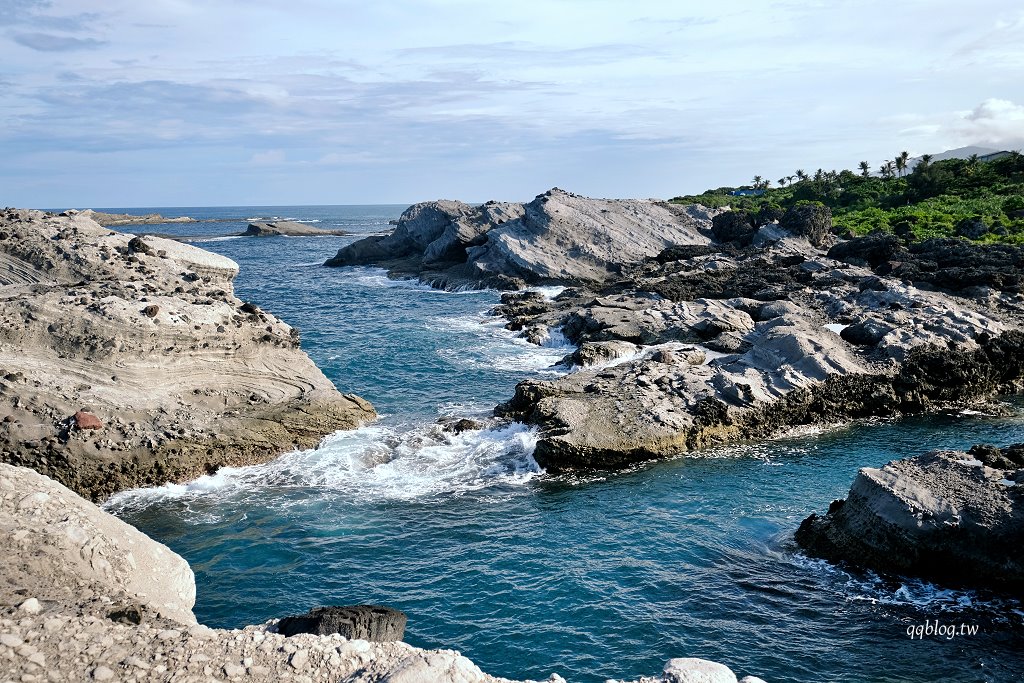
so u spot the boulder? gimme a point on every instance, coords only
(733, 226)
(946, 516)
(865, 333)
(813, 221)
(86, 420)
(59, 546)
(362, 622)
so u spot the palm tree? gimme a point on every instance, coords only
(901, 162)
(865, 168)
(887, 169)
(757, 182)
(782, 181)
(800, 175)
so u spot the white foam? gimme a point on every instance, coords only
(368, 276)
(369, 464)
(223, 238)
(547, 291)
(488, 345)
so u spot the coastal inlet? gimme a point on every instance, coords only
(592, 576)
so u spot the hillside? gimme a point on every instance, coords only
(970, 198)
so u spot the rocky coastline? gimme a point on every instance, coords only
(128, 361)
(699, 327)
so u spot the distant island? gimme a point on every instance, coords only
(979, 197)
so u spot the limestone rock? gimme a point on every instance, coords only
(149, 335)
(558, 237)
(73, 541)
(946, 516)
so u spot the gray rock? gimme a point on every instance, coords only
(288, 229)
(945, 516)
(363, 622)
(559, 237)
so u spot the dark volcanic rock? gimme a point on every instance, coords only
(734, 226)
(362, 622)
(865, 333)
(946, 516)
(812, 221)
(871, 250)
(287, 228)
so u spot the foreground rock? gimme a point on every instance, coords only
(128, 361)
(84, 596)
(948, 516)
(753, 333)
(693, 670)
(287, 229)
(559, 237)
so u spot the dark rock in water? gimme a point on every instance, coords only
(812, 221)
(865, 333)
(287, 228)
(946, 516)
(463, 425)
(733, 226)
(361, 622)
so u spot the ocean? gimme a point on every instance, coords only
(598, 576)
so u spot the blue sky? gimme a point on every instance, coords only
(209, 102)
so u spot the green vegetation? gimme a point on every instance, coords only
(981, 201)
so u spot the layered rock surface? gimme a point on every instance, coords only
(950, 516)
(558, 237)
(84, 596)
(128, 361)
(287, 229)
(721, 342)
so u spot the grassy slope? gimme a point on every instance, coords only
(941, 199)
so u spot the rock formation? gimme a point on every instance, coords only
(559, 237)
(84, 596)
(948, 516)
(717, 342)
(288, 229)
(128, 361)
(363, 622)
(118, 219)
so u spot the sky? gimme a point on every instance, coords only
(124, 103)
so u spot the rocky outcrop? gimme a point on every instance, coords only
(363, 622)
(749, 341)
(287, 229)
(56, 547)
(948, 516)
(118, 219)
(128, 361)
(559, 237)
(84, 596)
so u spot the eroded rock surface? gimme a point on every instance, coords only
(728, 342)
(287, 229)
(950, 516)
(558, 237)
(128, 361)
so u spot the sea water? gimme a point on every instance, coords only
(605, 575)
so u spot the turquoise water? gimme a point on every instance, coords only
(529, 574)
